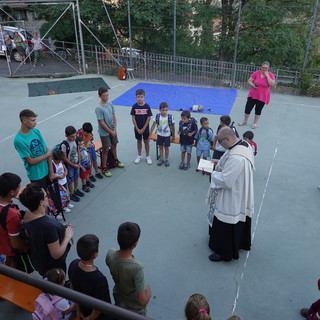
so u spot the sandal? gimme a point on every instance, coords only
(241, 123)
(254, 126)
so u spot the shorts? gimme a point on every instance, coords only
(108, 141)
(84, 174)
(186, 148)
(92, 153)
(145, 135)
(43, 182)
(73, 173)
(163, 141)
(203, 153)
(21, 51)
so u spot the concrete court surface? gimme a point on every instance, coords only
(273, 281)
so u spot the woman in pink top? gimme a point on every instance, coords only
(259, 94)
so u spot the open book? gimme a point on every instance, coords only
(206, 165)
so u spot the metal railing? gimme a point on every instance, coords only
(92, 303)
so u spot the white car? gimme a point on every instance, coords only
(26, 37)
(135, 52)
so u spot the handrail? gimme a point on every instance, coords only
(90, 302)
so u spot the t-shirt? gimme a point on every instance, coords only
(73, 151)
(13, 223)
(204, 138)
(59, 171)
(254, 147)
(41, 232)
(86, 136)
(105, 112)
(32, 145)
(163, 128)
(262, 92)
(93, 284)
(3, 36)
(141, 114)
(129, 278)
(186, 128)
(84, 158)
(36, 43)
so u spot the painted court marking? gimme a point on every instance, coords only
(254, 230)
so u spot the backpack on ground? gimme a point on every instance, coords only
(110, 160)
(44, 307)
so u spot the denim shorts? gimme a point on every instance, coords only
(203, 153)
(186, 148)
(92, 153)
(73, 173)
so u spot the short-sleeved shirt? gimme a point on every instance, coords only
(36, 43)
(186, 128)
(262, 92)
(129, 278)
(141, 114)
(84, 158)
(86, 136)
(254, 147)
(41, 232)
(32, 145)
(105, 113)
(204, 137)
(18, 44)
(163, 128)
(73, 151)
(13, 223)
(3, 36)
(93, 284)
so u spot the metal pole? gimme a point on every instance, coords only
(174, 35)
(81, 38)
(130, 35)
(314, 17)
(76, 35)
(236, 47)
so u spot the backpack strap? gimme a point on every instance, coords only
(157, 118)
(54, 168)
(3, 216)
(170, 120)
(66, 144)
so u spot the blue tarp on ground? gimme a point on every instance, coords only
(215, 101)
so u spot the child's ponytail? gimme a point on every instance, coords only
(197, 308)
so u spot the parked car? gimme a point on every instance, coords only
(26, 37)
(135, 52)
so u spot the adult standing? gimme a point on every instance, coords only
(231, 198)
(20, 45)
(259, 95)
(33, 150)
(48, 238)
(5, 43)
(37, 47)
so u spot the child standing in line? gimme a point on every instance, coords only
(165, 132)
(204, 138)
(85, 166)
(87, 136)
(248, 136)
(86, 278)
(187, 129)
(71, 157)
(141, 114)
(131, 290)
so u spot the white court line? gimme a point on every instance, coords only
(58, 113)
(255, 228)
(300, 104)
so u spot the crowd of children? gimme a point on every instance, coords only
(74, 158)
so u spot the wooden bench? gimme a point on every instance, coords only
(98, 147)
(18, 293)
(154, 138)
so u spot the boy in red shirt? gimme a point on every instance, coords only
(248, 136)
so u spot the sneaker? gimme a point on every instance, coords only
(304, 312)
(79, 193)
(119, 164)
(66, 209)
(75, 198)
(92, 178)
(90, 184)
(181, 166)
(186, 166)
(138, 159)
(99, 175)
(149, 161)
(166, 163)
(59, 217)
(85, 189)
(107, 173)
(160, 162)
(70, 206)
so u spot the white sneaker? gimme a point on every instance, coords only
(70, 206)
(59, 217)
(66, 209)
(149, 161)
(138, 159)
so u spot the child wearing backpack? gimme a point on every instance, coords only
(203, 138)
(52, 307)
(187, 129)
(165, 132)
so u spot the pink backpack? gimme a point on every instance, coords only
(44, 307)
